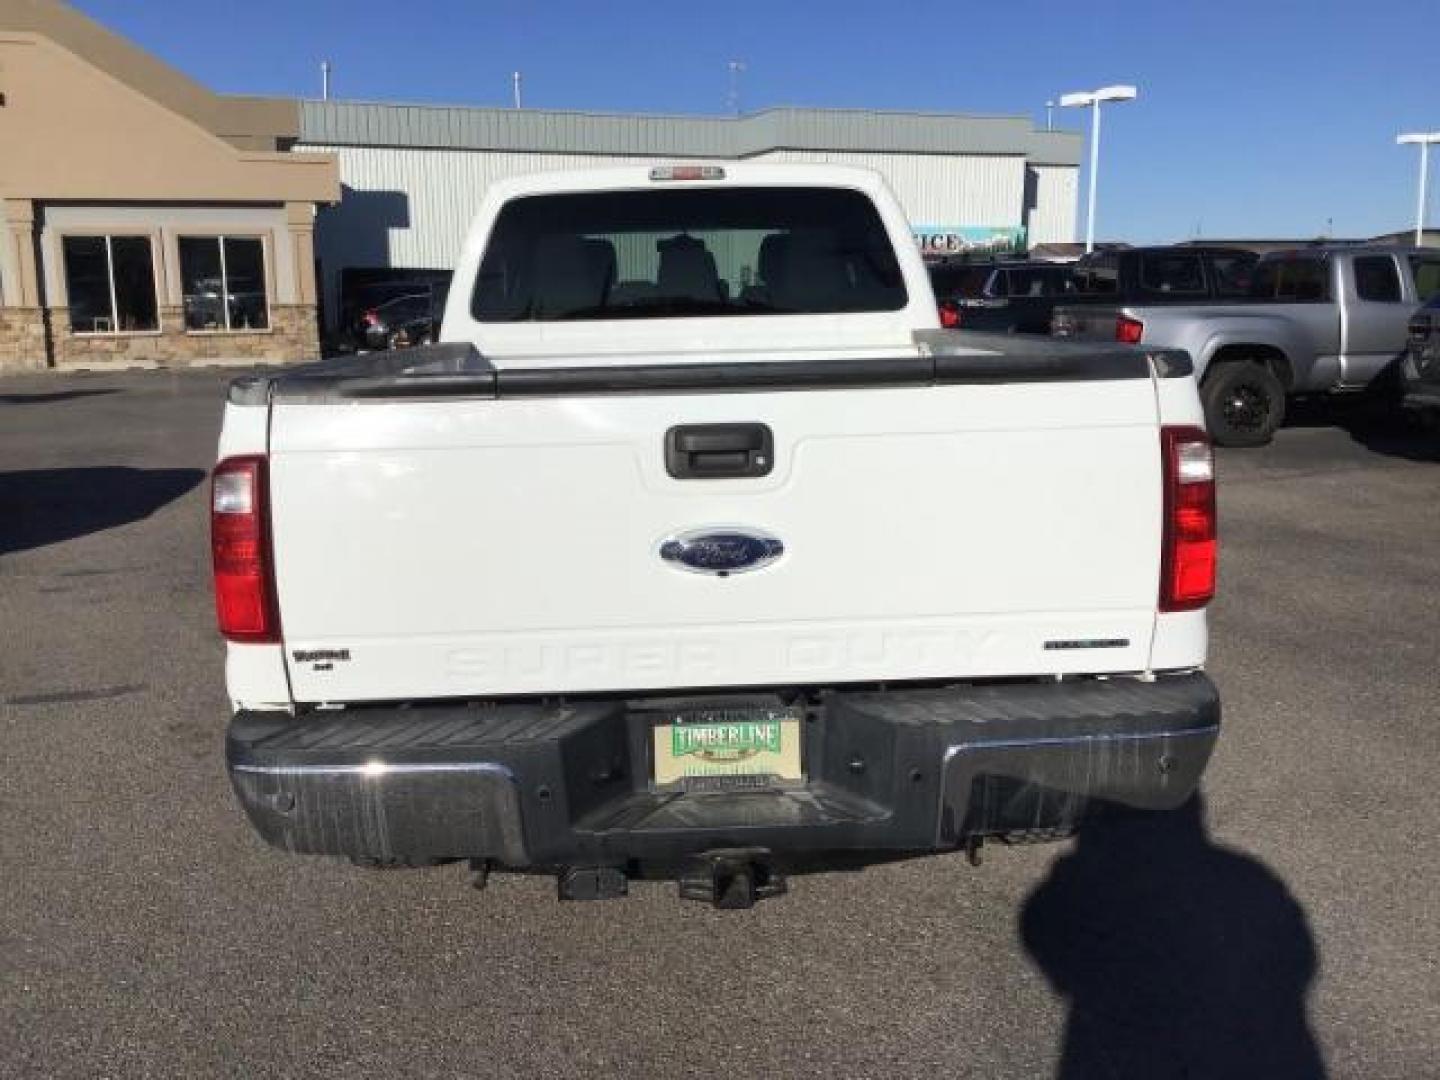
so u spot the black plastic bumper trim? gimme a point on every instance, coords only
(906, 770)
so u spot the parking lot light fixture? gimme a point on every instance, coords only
(1423, 139)
(1091, 99)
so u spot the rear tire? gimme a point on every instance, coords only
(1244, 403)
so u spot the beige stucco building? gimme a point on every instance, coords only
(143, 218)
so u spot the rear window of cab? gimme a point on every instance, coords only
(685, 252)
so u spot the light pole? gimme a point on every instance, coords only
(1092, 100)
(736, 68)
(1424, 139)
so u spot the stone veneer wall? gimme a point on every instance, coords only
(294, 336)
(22, 339)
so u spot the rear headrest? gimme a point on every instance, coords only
(811, 273)
(687, 269)
(602, 260)
(569, 275)
(772, 255)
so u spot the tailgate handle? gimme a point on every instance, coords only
(719, 451)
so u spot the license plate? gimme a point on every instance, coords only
(707, 746)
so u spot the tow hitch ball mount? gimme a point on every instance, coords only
(731, 878)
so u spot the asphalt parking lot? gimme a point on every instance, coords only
(1288, 924)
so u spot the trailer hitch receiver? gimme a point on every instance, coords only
(732, 879)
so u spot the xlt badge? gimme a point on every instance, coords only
(322, 659)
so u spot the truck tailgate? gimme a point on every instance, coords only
(512, 545)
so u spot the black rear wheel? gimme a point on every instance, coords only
(1244, 403)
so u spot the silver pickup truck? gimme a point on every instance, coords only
(1317, 320)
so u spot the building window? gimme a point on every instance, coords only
(223, 281)
(111, 284)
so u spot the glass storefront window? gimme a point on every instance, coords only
(111, 284)
(223, 282)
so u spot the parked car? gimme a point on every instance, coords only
(1316, 320)
(1422, 362)
(1010, 297)
(411, 319)
(620, 577)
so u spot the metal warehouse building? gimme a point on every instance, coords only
(413, 176)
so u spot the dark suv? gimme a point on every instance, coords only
(1013, 297)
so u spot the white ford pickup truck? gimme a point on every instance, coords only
(696, 549)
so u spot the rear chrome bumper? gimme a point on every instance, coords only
(896, 771)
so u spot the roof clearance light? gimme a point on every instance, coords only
(687, 172)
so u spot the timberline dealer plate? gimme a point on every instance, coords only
(708, 745)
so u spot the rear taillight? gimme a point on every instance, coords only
(371, 317)
(1188, 555)
(240, 551)
(950, 315)
(1128, 330)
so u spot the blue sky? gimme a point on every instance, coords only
(1259, 118)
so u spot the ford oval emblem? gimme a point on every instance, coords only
(722, 551)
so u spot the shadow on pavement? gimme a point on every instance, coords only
(1411, 434)
(1178, 958)
(1408, 433)
(44, 397)
(46, 506)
